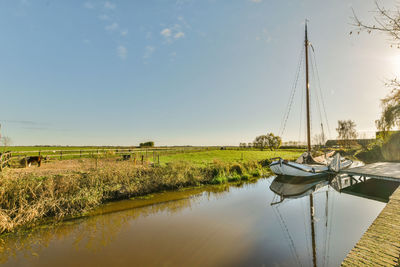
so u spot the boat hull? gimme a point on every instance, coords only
(283, 167)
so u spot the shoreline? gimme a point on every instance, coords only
(30, 197)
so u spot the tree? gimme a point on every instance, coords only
(388, 22)
(390, 117)
(269, 140)
(242, 145)
(346, 131)
(147, 144)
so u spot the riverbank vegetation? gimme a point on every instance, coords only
(67, 188)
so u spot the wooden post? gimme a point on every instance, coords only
(26, 161)
(96, 161)
(142, 159)
(134, 159)
(60, 155)
(158, 158)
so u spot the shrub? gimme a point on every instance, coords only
(234, 177)
(236, 168)
(391, 148)
(245, 177)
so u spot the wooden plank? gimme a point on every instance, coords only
(380, 245)
(379, 170)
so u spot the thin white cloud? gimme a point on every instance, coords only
(86, 41)
(149, 35)
(122, 51)
(148, 51)
(256, 1)
(88, 5)
(264, 36)
(109, 5)
(124, 32)
(166, 32)
(104, 17)
(179, 35)
(112, 27)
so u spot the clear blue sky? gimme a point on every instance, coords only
(198, 72)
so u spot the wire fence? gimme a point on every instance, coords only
(138, 155)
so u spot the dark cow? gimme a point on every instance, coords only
(126, 157)
(32, 159)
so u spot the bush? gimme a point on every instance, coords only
(372, 154)
(236, 168)
(219, 180)
(245, 177)
(391, 148)
(234, 177)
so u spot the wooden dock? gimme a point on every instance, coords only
(380, 245)
(381, 170)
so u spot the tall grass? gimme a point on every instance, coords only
(28, 197)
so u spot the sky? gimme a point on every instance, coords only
(184, 72)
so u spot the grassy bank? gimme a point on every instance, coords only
(70, 188)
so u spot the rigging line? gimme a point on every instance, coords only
(301, 113)
(289, 105)
(290, 237)
(308, 241)
(282, 228)
(320, 91)
(330, 226)
(315, 91)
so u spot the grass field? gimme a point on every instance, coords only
(206, 157)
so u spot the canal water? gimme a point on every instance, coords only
(226, 225)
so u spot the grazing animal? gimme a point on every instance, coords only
(126, 157)
(32, 159)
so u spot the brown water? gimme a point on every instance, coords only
(208, 226)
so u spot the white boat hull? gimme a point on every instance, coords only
(283, 167)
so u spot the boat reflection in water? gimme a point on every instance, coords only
(297, 187)
(289, 187)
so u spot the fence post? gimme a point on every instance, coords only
(158, 158)
(60, 155)
(142, 159)
(134, 159)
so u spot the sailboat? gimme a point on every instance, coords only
(306, 165)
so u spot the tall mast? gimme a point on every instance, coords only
(307, 94)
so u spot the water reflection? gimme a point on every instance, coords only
(310, 224)
(100, 227)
